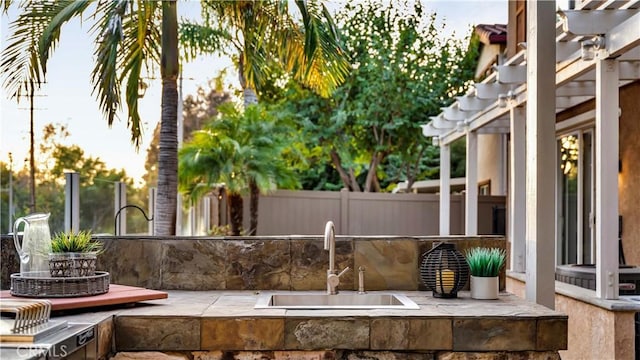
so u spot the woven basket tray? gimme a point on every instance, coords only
(59, 287)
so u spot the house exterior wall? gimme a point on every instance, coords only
(488, 57)
(491, 162)
(593, 332)
(629, 176)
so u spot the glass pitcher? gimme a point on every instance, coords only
(36, 244)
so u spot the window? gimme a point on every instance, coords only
(484, 187)
(575, 192)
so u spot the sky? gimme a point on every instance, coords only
(67, 97)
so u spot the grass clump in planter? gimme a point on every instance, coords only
(73, 254)
(485, 262)
(71, 242)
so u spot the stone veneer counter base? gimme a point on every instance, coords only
(217, 322)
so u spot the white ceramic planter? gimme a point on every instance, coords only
(484, 288)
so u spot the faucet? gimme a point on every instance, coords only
(333, 279)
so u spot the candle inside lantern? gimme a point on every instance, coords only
(445, 280)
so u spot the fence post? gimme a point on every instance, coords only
(120, 202)
(72, 201)
(192, 217)
(206, 214)
(152, 209)
(344, 227)
(179, 215)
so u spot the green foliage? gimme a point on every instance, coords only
(241, 151)
(65, 242)
(266, 36)
(235, 149)
(402, 73)
(485, 262)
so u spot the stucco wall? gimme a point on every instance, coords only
(593, 332)
(490, 162)
(629, 177)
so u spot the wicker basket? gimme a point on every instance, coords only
(72, 264)
(59, 287)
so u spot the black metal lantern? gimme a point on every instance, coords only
(444, 270)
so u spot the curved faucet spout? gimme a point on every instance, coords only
(333, 279)
(330, 244)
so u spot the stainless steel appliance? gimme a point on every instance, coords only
(74, 341)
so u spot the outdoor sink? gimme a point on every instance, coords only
(321, 301)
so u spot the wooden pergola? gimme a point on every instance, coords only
(589, 53)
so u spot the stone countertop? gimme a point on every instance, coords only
(227, 320)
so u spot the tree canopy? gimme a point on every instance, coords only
(402, 72)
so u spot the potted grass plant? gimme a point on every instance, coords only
(484, 266)
(73, 254)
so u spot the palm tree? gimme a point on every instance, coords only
(265, 36)
(241, 150)
(127, 39)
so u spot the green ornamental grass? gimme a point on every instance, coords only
(485, 262)
(66, 242)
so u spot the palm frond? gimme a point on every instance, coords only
(110, 33)
(20, 64)
(127, 42)
(5, 4)
(62, 12)
(196, 39)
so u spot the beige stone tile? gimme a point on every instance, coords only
(208, 355)
(389, 334)
(494, 334)
(430, 334)
(551, 334)
(140, 267)
(157, 333)
(345, 333)
(105, 333)
(305, 355)
(194, 264)
(309, 264)
(389, 264)
(242, 334)
(520, 355)
(257, 264)
(148, 355)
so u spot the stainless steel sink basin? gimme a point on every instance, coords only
(340, 301)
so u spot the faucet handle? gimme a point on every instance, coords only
(343, 271)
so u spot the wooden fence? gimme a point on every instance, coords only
(306, 212)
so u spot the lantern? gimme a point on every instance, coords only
(444, 270)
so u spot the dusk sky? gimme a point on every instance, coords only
(66, 97)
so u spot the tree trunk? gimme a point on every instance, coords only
(253, 208)
(369, 185)
(354, 182)
(348, 179)
(235, 212)
(165, 214)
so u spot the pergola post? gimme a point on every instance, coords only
(445, 189)
(471, 187)
(607, 128)
(71, 202)
(540, 153)
(517, 189)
